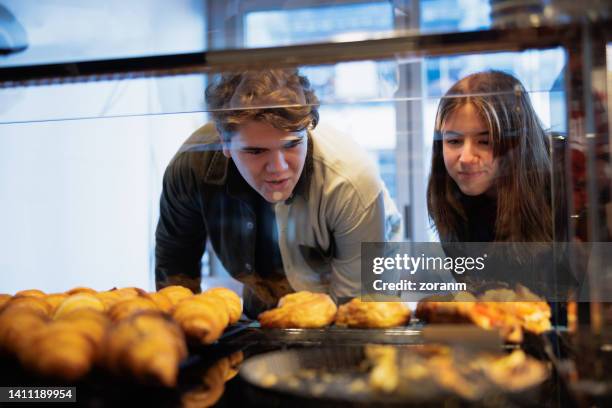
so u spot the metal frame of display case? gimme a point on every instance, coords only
(584, 44)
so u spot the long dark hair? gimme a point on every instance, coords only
(522, 148)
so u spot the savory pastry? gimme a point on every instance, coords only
(127, 307)
(533, 313)
(465, 308)
(149, 346)
(231, 300)
(300, 310)
(176, 293)
(78, 301)
(202, 317)
(372, 314)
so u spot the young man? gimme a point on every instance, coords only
(284, 207)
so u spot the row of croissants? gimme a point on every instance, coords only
(128, 331)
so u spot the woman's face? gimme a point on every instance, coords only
(468, 153)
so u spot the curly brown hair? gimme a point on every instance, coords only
(280, 97)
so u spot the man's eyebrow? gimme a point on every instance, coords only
(294, 140)
(252, 148)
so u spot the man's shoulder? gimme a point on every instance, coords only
(202, 155)
(345, 164)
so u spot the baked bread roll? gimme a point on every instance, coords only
(372, 314)
(300, 310)
(176, 293)
(81, 300)
(148, 346)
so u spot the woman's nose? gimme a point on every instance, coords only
(277, 162)
(469, 155)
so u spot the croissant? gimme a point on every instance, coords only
(232, 302)
(202, 317)
(4, 297)
(30, 292)
(125, 308)
(16, 325)
(92, 324)
(176, 293)
(213, 382)
(148, 346)
(372, 314)
(55, 299)
(300, 310)
(81, 289)
(59, 349)
(81, 300)
(32, 303)
(162, 301)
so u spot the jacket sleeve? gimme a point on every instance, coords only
(180, 237)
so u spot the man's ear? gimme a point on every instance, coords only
(226, 149)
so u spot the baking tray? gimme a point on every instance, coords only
(274, 380)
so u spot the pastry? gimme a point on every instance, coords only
(300, 310)
(372, 314)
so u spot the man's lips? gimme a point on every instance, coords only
(277, 184)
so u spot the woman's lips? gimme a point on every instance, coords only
(277, 185)
(469, 175)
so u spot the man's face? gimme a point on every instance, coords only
(269, 159)
(467, 151)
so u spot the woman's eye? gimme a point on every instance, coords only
(484, 142)
(452, 141)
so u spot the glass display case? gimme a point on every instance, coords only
(96, 100)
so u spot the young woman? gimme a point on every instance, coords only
(491, 182)
(491, 166)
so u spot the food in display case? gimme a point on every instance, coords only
(147, 346)
(306, 310)
(509, 312)
(127, 331)
(357, 313)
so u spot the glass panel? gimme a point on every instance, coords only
(80, 30)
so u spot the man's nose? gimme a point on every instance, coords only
(277, 162)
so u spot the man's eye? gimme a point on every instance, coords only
(484, 142)
(254, 151)
(291, 145)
